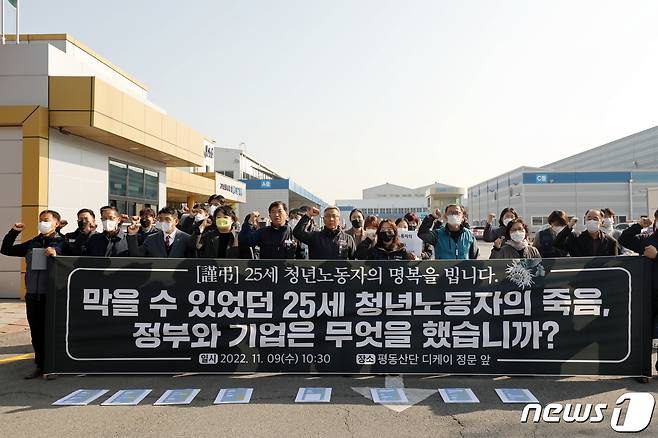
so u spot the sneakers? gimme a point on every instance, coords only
(37, 372)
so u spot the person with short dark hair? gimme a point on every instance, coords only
(47, 243)
(198, 214)
(111, 242)
(452, 241)
(214, 202)
(147, 219)
(274, 241)
(608, 224)
(516, 245)
(412, 220)
(167, 242)
(86, 225)
(506, 215)
(330, 243)
(545, 239)
(591, 242)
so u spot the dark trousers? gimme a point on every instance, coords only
(36, 317)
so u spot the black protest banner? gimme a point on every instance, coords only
(567, 316)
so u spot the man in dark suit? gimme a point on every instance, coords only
(168, 242)
(111, 242)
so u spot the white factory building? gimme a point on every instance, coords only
(619, 175)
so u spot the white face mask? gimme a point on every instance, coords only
(211, 210)
(109, 225)
(607, 222)
(517, 236)
(593, 226)
(507, 220)
(199, 217)
(45, 227)
(165, 227)
(454, 219)
(557, 228)
(293, 223)
(370, 233)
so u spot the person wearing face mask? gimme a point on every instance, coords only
(198, 214)
(544, 239)
(452, 241)
(86, 225)
(274, 241)
(168, 241)
(388, 246)
(370, 227)
(48, 243)
(412, 220)
(216, 238)
(591, 242)
(607, 226)
(146, 224)
(357, 221)
(214, 202)
(330, 243)
(516, 244)
(491, 233)
(111, 242)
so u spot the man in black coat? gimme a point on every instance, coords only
(331, 243)
(168, 242)
(111, 242)
(87, 226)
(592, 242)
(275, 241)
(48, 243)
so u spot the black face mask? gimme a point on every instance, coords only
(145, 223)
(357, 223)
(386, 236)
(81, 224)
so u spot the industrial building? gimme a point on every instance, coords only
(394, 201)
(618, 175)
(77, 131)
(263, 185)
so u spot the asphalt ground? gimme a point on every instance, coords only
(26, 405)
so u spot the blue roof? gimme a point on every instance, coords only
(278, 184)
(575, 177)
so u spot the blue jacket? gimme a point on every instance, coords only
(447, 245)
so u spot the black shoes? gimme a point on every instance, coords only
(34, 374)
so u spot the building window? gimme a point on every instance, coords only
(228, 173)
(132, 187)
(538, 221)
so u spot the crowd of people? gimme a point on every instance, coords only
(212, 230)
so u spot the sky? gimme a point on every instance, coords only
(341, 95)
